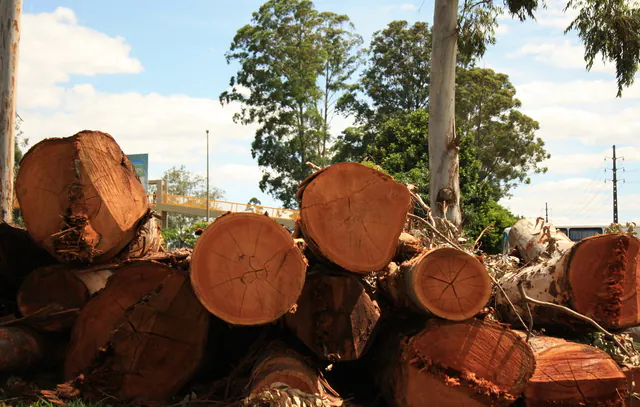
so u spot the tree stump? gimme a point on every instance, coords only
(353, 215)
(246, 269)
(80, 197)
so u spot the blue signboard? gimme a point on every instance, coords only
(141, 164)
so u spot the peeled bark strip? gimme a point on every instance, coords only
(571, 374)
(353, 215)
(445, 282)
(80, 197)
(598, 277)
(533, 241)
(470, 363)
(98, 318)
(52, 285)
(335, 317)
(246, 269)
(156, 347)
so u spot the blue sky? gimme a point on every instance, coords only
(150, 73)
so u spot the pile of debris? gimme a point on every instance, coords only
(354, 304)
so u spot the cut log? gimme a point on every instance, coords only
(156, 347)
(246, 269)
(336, 318)
(148, 239)
(80, 197)
(98, 318)
(52, 285)
(598, 277)
(409, 247)
(353, 215)
(533, 241)
(469, 363)
(445, 282)
(20, 348)
(571, 374)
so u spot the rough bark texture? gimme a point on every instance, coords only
(52, 285)
(538, 241)
(336, 318)
(470, 363)
(598, 277)
(445, 282)
(156, 346)
(148, 239)
(247, 270)
(80, 197)
(100, 316)
(444, 184)
(353, 215)
(571, 374)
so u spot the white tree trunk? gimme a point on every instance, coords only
(538, 241)
(444, 185)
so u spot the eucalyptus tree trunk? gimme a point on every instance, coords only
(444, 184)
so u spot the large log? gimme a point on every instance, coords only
(352, 215)
(533, 241)
(247, 270)
(445, 282)
(598, 277)
(80, 197)
(469, 363)
(336, 318)
(100, 316)
(571, 374)
(156, 346)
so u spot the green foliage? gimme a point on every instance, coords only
(477, 21)
(294, 62)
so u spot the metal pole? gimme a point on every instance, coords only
(10, 11)
(546, 212)
(615, 187)
(207, 175)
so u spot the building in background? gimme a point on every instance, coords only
(141, 164)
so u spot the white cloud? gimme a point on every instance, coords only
(502, 29)
(561, 54)
(547, 93)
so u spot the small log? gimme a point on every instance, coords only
(156, 347)
(336, 318)
(124, 289)
(533, 241)
(445, 282)
(571, 374)
(353, 215)
(71, 196)
(469, 363)
(597, 277)
(409, 247)
(247, 270)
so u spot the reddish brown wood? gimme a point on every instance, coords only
(246, 269)
(80, 197)
(469, 363)
(632, 374)
(353, 215)
(20, 348)
(336, 318)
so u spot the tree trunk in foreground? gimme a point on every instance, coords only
(156, 346)
(336, 317)
(445, 282)
(124, 289)
(80, 197)
(534, 241)
(598, 277)
(571, 374)
(444, 183)
(353, 215)
(247, 270)
(469, 363)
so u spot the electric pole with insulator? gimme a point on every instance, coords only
(615, 187)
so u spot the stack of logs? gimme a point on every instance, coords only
(429, 319)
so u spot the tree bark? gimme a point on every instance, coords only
(445, 282)
(71, 195)
(409, 246)
(538, 241)
(336, 318)
(597, 277)
(247, 270)
(148, 239)
(469, 363)
(572, 374)
(444, 184)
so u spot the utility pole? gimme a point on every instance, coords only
(207, 175)
(10, 11)
(615, 187)
(546, 212)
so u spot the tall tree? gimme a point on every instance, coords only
(294, 61)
